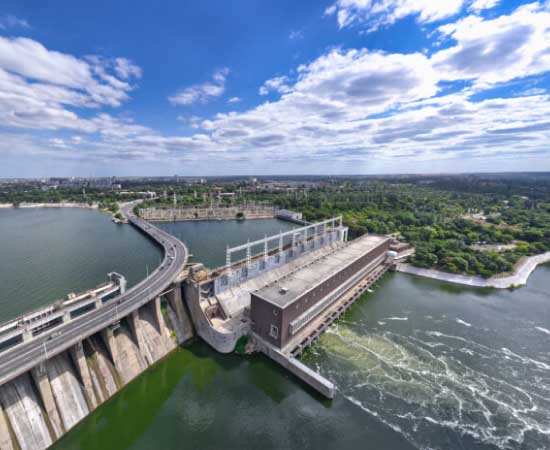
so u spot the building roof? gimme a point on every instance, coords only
(286, 290)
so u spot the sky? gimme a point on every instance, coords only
(247, 87)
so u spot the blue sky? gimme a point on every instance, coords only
(280, 87)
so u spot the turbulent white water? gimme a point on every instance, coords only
(426, 383)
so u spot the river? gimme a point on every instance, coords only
(417, 364)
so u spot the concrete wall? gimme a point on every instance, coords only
(215, 213)
(24, 413)
(6, 439)
(223, 342)
(38, 407)
(304, 373)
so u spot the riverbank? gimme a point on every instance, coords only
(518, 278)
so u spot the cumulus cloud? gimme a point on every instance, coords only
(480, 5)
(347, 105)
(37, 85)
(202, 93)
(376, 13)
(126, 69)
(276, 84)
(498, 50)
(28, 61)
(234, 100)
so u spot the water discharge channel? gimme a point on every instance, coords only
(417, 363)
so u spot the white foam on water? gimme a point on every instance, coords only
(543, 330)
(381, 323)
(462, 322)
(410, 384)
(525, 359)
(467, 351)
(394, 427)
(396, 318)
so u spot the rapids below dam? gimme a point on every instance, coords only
(417, 363)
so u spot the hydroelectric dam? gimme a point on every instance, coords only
(276, 295)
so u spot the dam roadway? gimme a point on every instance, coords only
(27, 355)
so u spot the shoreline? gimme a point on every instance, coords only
(518, 278)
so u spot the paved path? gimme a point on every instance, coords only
(517, 279)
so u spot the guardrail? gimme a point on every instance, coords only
(44, 318)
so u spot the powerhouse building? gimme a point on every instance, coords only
(281, 309)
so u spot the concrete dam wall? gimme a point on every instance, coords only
(39, 406)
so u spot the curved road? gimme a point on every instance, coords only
(27, 355)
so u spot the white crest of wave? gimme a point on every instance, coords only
(462, 322)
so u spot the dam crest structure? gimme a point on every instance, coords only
(276, 294)
(60, 362)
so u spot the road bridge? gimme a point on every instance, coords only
(22, 358)
(58, 363)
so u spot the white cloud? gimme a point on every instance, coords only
(234, 100)
(345, 107)
(125, 69)
(276, 84)
(27, 60)
(497, 50)
(11, 21)
(376, 13)
(38, 85)
(57, 142)
(202, 93)
(480, 5)
(192, 120)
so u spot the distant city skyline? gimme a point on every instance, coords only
(220, 88)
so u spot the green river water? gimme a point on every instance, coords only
(417, 363)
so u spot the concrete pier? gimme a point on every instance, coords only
(301, 371)
(23, 411)
(135, 326)
(67, 391)
(79, 359)
(130, 361)
(40, 376)
(183, 325)
(108, 336)
(6, 442)
(103, 373)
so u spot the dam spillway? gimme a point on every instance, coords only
(40, 405)
(94, 345)
(61, 361)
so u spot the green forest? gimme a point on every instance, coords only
(435, 215)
